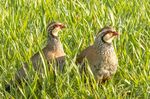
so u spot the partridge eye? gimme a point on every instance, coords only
(56, 25)
(107, 32)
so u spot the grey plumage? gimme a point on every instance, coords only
(101, 56)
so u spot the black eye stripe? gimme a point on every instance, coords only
(103, 39)
(106, 32)
(109, 31)
(57, 25)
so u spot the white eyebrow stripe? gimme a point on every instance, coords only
(105, 30)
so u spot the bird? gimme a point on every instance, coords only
(101, 56)
(52, 52)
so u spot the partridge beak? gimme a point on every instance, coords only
(115, 33)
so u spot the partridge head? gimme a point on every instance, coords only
(54, 27)
(101, 55)
(107, 34)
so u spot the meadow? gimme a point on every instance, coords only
(23, 33)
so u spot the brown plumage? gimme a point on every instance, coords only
(52, 52)
(101, 55)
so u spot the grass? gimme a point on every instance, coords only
(23, 33)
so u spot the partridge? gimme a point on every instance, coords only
(101, 56)
(53, 52)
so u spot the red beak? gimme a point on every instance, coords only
(115, 33)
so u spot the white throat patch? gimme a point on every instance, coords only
(108, 38)
(55, 31)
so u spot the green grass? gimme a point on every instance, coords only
(23, 33)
